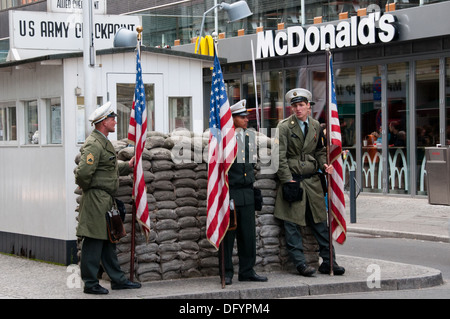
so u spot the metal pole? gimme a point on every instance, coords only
(327, 105)
(352, 197)
(222, 264)
(90, 95)
(133, 232)
(203, 23)
(256, 87)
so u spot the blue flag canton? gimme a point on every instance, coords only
(139, 93)
(217, 99)
(333, 91)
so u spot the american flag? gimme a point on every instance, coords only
(137, 133)
(221, 154)
(337, 201)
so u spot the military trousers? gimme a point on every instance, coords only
(96, 251)
(294, 241)
(245, 235)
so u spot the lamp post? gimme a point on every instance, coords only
(236, 11)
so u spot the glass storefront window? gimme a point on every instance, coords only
(345, 80)
(180, 113)
(233, 91)
(8, 127)
(248, 93)
(427, 114)
(318, 94)
(371, 129)
(272, 106)
(31, 122)
(447, 101)
(398, 127)
(125, 95)
(181, 20)
(53, 111)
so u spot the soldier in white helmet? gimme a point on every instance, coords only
(97, 175)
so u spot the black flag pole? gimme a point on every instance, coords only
(328, 135)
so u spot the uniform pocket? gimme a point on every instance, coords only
(292, 192)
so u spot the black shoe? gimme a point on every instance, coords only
(253, 277)
(96, 290)
(126, 285)
(228, 281)
(306, 270)
(337, 270)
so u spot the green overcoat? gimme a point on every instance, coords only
(302, 156)
(98, 176)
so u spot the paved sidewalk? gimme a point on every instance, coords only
(27, 279)
(384, 216)
(403, 217)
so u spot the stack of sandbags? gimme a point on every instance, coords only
(175, 173)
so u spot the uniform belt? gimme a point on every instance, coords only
(298, 177)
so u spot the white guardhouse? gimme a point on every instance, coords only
(42, 130)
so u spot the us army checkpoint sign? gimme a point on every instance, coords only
(63, 31)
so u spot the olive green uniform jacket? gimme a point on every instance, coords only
(302, 156)
(98, 176)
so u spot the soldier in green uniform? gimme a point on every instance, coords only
(302, 153)
(98, 176)
(241, 177)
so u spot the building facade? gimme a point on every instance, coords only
(393, 90)
(42, 127)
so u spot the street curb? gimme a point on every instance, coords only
(399, 277)
(418, 282)
(398, 234)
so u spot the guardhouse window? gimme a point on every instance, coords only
(8, 126)
(31, 122)
(180, 113)
(125, 94)
(53, 112)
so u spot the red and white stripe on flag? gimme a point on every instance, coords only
(221, 154)
(337, 201)
(137, 133)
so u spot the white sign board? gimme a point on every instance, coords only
(63, 31)
(74, 6)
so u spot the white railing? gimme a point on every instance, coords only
(398, 168)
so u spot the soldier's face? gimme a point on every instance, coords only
(240, 121)
(301, 110)
(110, 124)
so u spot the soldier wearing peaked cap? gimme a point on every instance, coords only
(241, 178)
(97, 175)
(300, 197)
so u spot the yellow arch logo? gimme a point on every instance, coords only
(206, 45)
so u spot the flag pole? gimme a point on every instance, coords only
(256, 87)
(139, 30)
(133, 232)
(328, 135)
(221, 247)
